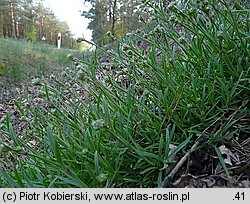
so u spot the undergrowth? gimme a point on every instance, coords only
(191, 82)
(20, 60)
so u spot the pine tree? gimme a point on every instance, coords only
(116, 16)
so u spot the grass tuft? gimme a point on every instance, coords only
(190, 82)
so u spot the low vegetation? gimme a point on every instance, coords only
(180, 90)
(20, 60)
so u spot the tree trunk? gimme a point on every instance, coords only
(13, 21)
(113, 17)
(1, 24)
(17, 29)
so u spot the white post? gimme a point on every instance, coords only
(43, 39)
(59, 40)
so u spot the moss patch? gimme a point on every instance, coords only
(3, 69)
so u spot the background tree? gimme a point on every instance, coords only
(116, 16)
(31, 20)
(31, 34)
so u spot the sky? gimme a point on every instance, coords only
(69, 11)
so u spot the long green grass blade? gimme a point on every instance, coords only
(221, 159)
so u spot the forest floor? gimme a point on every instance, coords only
(20, 64)
(199, 169)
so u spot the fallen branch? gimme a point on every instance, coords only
(168, 180)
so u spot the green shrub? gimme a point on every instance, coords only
(31, 34)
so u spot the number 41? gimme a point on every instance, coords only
(240, 196)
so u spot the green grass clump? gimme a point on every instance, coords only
(190, 82)
(23, 60)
